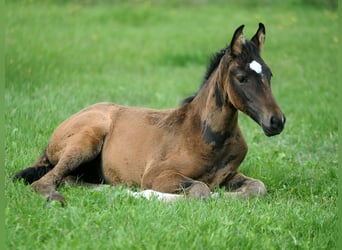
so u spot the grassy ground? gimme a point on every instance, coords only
(63, 57)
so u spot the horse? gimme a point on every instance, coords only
(188, 150)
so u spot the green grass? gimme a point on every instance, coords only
(63, 57)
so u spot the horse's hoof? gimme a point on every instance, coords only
(256, 188)
(199, 190)
(55, 196)
(48, 192)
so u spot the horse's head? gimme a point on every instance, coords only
(249, 82)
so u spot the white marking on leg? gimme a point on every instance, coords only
(149, 194)
(166, 197)
(254, 65)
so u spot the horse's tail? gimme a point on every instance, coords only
(36, 171)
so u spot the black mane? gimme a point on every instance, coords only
(214, 62)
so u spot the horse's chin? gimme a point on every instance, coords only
(271, 132)
(268, 129)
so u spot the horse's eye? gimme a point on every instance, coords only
(242, 78)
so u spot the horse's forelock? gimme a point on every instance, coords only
(249, 52)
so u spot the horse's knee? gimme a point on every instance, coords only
(198, 190)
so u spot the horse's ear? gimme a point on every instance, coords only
(237, 41)
(259, 37)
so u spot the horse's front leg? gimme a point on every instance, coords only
(170, 181)
(239, 185)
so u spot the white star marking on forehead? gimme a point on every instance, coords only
(254, 65)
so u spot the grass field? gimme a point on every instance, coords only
(61, 57)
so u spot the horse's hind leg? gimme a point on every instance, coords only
(240, 185)
(83, 148)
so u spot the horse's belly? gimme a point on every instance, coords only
(122, 164)
(127, 150)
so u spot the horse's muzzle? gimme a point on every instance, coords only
(276, 125)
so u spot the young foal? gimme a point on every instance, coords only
(191, 149)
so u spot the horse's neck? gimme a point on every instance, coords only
(214, 107)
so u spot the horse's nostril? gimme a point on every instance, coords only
(277, 122)
(274, 120)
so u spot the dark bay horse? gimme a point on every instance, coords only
(190, 149)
